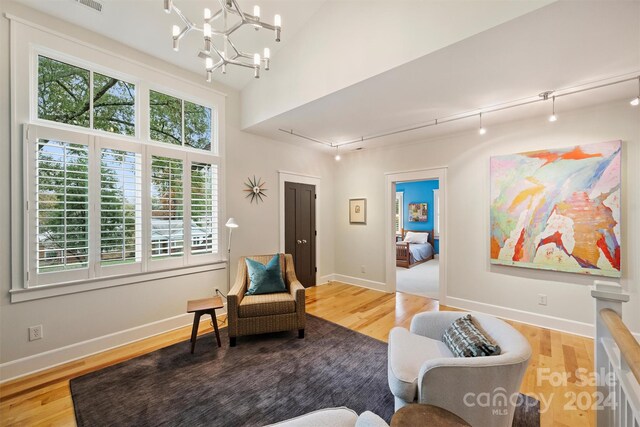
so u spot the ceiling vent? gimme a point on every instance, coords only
(93, 4)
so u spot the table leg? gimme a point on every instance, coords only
(214, 320)
(194, 331)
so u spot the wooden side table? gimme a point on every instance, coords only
(200, 307)
(417, 415)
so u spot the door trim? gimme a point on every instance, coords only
(300, 178)
(390, 241)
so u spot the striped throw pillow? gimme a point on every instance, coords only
(465, 339)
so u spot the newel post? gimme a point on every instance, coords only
(607, 295)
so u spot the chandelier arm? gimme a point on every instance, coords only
(239, 52)
(214, 17)
(237, 10)
(186, 20)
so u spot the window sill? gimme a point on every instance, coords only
(39, 292)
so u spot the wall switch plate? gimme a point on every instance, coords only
(542, 299)
(35, 333)
(362, 269)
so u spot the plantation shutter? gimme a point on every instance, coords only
(204, 208)
(167, 207)
(120, 207)
(62, 206)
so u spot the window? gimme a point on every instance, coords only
(65, 95)
(87, 188)
(204, 208)
(436, 213)
(63, 92)
(167, 207)
(63, 206)
(399, 219)
(120, 207)
(178, 122)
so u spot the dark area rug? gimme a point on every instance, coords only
(264, 379)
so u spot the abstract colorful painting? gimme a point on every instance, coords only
(558, 209)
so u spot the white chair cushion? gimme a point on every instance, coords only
(369, 419)
(407, 353)
(329, 417)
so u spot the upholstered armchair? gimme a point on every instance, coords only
(259, 314)
(422, 369)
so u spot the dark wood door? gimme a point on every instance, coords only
(300, 229)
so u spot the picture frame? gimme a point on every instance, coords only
(357, 211)
(418, 212)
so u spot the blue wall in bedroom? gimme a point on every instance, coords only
(419, 192)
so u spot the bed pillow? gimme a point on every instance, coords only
(413, 237)
(265, 278)
(465, 339)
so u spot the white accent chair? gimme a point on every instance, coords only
(422, 369)
(334, 417)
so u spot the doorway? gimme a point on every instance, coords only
(393, 230)
(417, 230)
(300, 229)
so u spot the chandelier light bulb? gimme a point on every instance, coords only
(337, 157)
(256, 59)
(175, 30)
(207, 13)
(256, 12)
(277, 21)
(209, 76)
(267, 53)
(206, 29)
(167, 6)
(208, 63)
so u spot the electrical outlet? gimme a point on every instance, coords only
(362, 269)
(542, 299)
(35, 333)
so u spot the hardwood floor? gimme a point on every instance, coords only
(44, 398)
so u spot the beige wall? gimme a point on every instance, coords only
(466, 156)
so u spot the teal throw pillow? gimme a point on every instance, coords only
(265, 279)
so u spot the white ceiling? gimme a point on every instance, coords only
(564, 44)
(558, 46)
(143, 25)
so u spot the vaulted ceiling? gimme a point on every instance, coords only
(350, 69)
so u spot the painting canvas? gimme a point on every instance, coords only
(417, 212)
(358, 211)
(558, 209)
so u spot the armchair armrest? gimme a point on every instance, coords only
(235, 296)
(296, 289)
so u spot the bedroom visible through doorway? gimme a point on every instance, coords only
(417, 231)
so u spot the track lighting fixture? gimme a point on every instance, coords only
(636, 101)
(337, 154)
(481, 130)
(553, 117)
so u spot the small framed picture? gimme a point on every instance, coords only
(357, 211)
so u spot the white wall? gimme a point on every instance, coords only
(472, 281)
(81, 323)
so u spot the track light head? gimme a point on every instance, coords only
(635, 101)
(481, 129)
(553, 118)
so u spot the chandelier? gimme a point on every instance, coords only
(228, 54)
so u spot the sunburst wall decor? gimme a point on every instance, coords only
(255, 189)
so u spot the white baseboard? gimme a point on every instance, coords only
(325, 280)
(542, 320)
(49, 359)
(370, 284)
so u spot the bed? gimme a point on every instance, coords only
(410, 254)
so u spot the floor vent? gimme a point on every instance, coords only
(93, 4)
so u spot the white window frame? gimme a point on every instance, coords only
(436, 213)
(400, 200)
(28, 40)
(37, 51)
